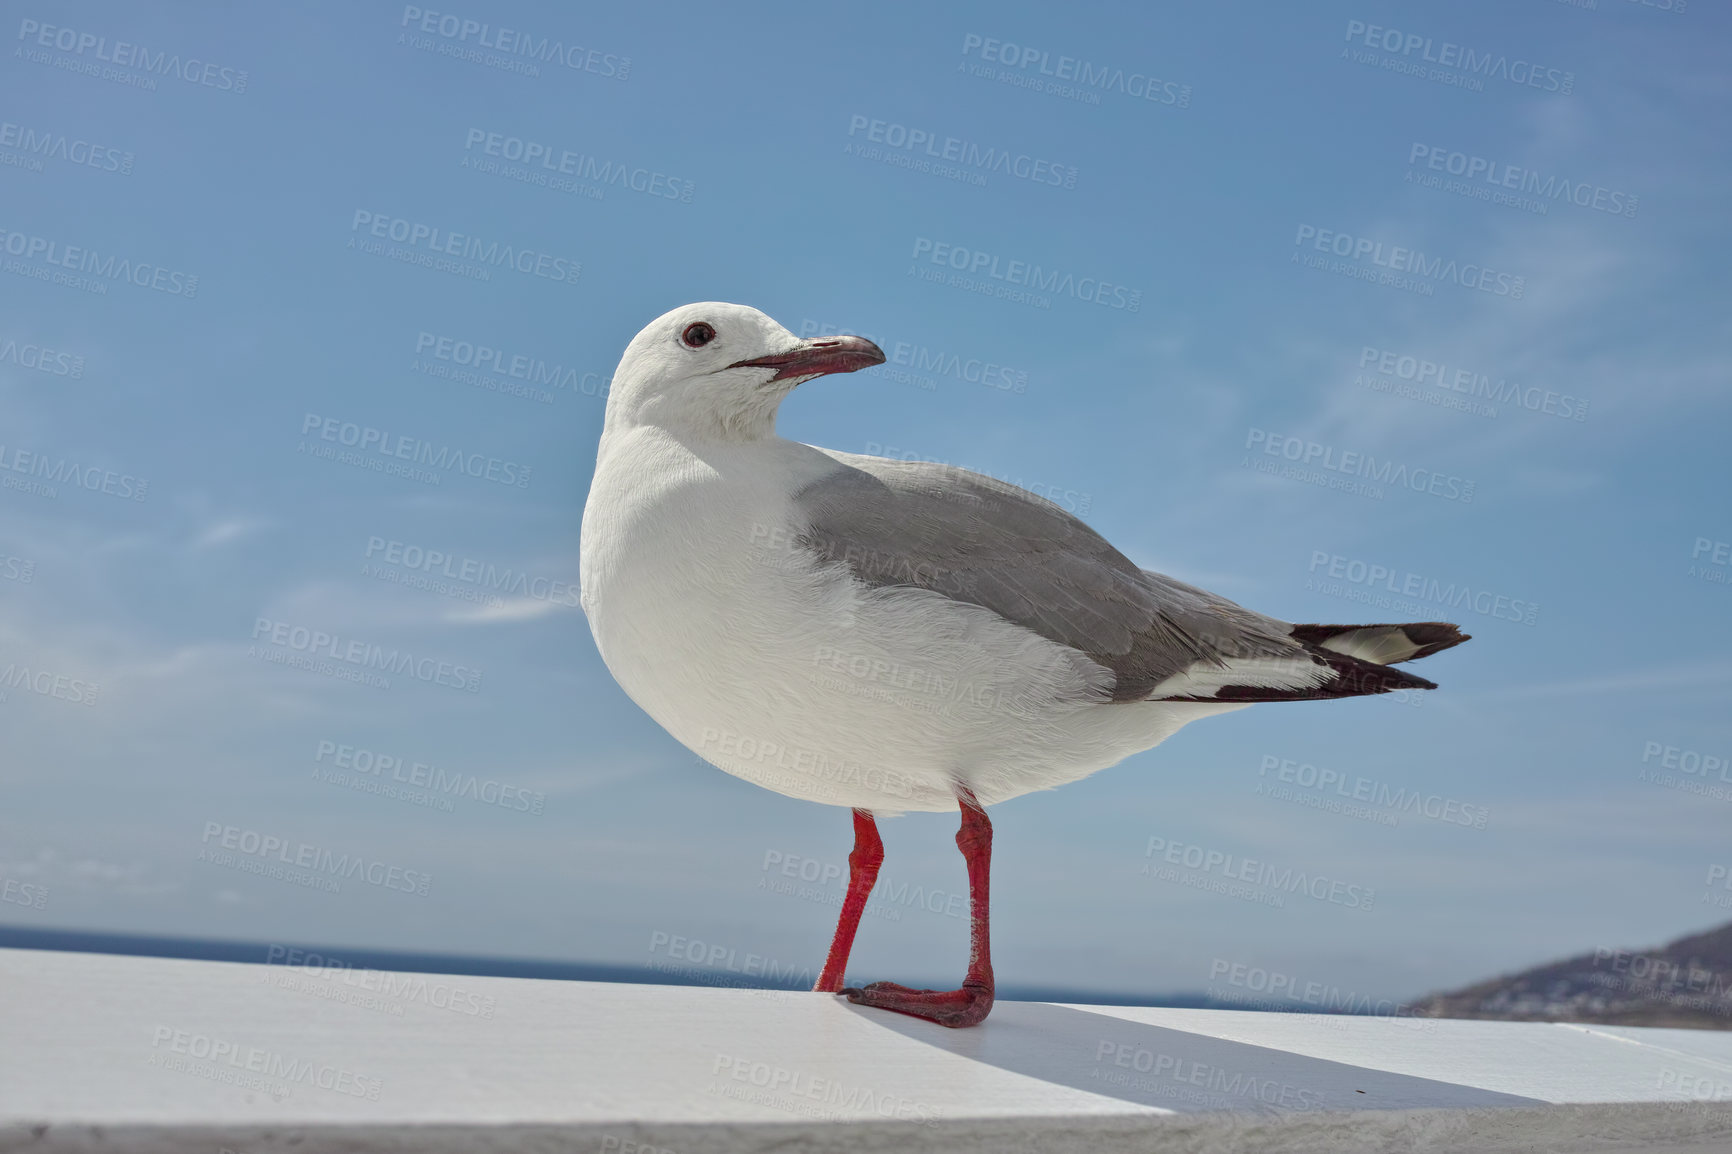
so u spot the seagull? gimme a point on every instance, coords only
(897, 636)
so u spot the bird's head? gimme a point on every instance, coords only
(722, 369)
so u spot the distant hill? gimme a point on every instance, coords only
(1685, 983)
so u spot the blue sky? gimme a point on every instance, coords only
(1336, 223)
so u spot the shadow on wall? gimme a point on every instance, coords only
(1174, 1069)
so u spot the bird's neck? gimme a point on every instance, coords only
(702, 439)
(752, 419)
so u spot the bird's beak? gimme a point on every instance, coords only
(819, 356)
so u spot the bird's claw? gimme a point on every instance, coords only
(955, 1008)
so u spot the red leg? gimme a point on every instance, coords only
(969, 1005)
(862, 876)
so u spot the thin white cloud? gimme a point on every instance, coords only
(227, 530)
(516, 609)
(1707, 676)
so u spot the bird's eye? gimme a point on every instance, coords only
(698, 335)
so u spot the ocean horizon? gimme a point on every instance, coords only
(483, 965)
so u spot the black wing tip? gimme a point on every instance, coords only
(1434, 637)
(1352, 678)
(1430, 636)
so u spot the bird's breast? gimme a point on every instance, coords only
(688, 562)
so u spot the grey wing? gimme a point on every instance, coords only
(979, 540)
